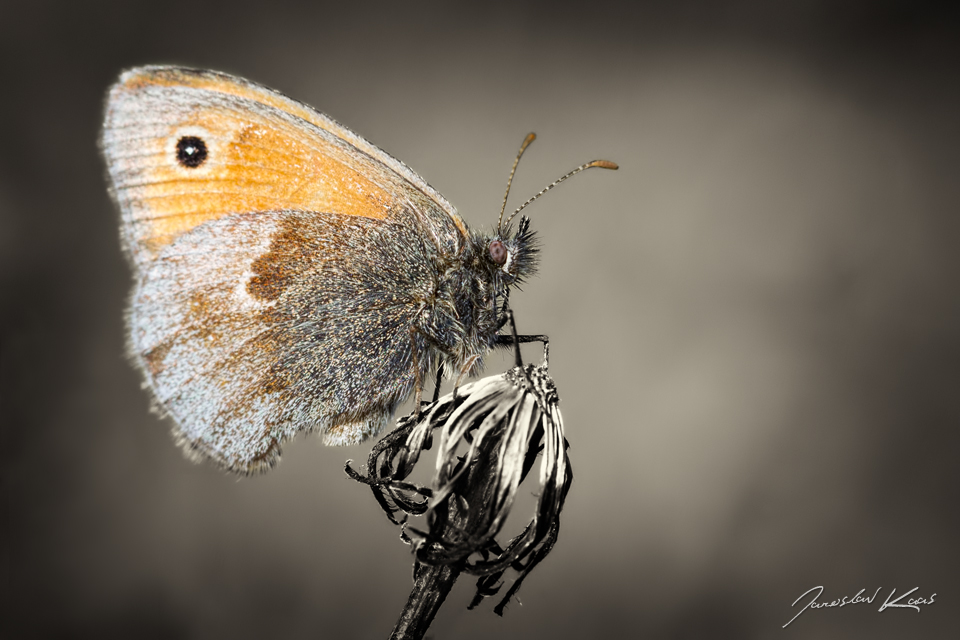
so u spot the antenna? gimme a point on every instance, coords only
(523, 147)
(600, 164)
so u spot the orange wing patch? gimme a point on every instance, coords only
(258, 166)
(261, 152)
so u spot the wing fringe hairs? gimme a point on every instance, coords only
(490, 435)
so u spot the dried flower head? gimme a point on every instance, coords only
(490, 435)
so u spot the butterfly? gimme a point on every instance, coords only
(289, 275)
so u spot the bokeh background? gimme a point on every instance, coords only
(755, 323)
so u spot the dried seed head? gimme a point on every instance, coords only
(490, 436)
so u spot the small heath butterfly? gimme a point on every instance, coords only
(290, 276)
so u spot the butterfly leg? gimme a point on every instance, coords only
(515, 340)
(463, 373)
(436, 388)
(417, 382)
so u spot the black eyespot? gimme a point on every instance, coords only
(498, 252)
(191, 151)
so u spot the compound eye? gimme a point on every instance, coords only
(498, 252)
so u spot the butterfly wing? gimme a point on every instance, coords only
(253, 327)
(279, 276)
(263, 151)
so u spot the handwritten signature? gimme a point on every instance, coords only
(912, 603)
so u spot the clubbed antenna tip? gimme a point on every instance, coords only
(599, 164)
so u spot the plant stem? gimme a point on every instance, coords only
(430, 588)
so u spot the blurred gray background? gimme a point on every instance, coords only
(755, 323)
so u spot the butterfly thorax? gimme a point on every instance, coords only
(461, 319)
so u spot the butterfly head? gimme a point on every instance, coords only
(513, 254)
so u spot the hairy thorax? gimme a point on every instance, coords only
(459, 320)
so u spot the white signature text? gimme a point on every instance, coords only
(890, 603)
